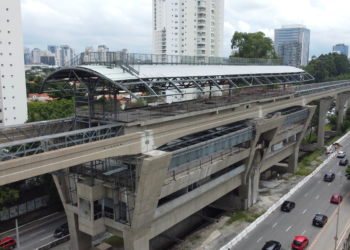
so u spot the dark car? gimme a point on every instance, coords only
(287, 206)
(343, 162)
(320, 220)
(272, 245)
(61, 231)
(329, 177)
(8, 243)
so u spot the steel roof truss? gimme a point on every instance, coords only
(215, 83)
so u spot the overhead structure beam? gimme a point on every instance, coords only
(198, 86)
(244, 80)
(214, 82)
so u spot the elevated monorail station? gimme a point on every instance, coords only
(158, 145)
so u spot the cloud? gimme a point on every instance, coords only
(128, 24)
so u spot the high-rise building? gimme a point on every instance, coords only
(36, 53)
(192, 28)
(89, 55)
(341, 48)
(27, 56)
(102, 53)
(67, 54)
(292, 44)
(13, 97)
(52, 48)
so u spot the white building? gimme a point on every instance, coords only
(102, 53)
(188, 27)
(13, 98)
(36, 53)
(88, 54)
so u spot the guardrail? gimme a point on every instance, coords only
(252, 226)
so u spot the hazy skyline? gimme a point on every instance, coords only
(127, 24)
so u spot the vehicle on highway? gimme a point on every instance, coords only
(329, 177)
(300, 242)
(341, 154)
(287, 206)
(272, 245)
(8, 243)
(336, 198)
(320, 220)
(63, 230)
(343, 162)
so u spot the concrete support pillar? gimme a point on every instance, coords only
(152, 174)
(324, 105)
(79, 240)
(293, 161)
(342, 98)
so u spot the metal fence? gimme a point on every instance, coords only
(24, 208)
(272, 209)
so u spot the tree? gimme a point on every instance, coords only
(344, 126)
(253, 45)
(8, 195)
(347, 172)
(317, 69)
(333, 120)
(49, 185)
(39, 111)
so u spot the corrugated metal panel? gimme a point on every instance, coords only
(169, 71)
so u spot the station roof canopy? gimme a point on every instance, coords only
(134, 73)
(174, 71)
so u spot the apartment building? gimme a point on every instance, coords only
(13, 101)
(188, 28)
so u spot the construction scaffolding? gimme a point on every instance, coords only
(290, 52)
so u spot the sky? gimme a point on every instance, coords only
(128, 23)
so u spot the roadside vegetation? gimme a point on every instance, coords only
(115, 241)
(243, 216)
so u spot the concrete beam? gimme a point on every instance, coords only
(172, 238)
(30, 166)
(206, 218)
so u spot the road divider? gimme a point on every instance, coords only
(252, 226)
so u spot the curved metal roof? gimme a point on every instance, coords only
(171, 71)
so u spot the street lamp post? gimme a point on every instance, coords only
(336, 229)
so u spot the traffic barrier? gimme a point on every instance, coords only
(240, 236)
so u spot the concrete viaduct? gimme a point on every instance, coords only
(147, 181)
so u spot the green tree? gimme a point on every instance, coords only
(333, 120)
(347, 172)
(253, 45)
(344, 126)
(8, 195)
(40, 111)
(317, 69)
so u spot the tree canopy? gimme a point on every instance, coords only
(329, 67)
(40, 111)
(253, 45)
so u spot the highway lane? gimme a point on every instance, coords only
(310, 199)
(38, 233)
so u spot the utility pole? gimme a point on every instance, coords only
(17, 237)
(336, 229)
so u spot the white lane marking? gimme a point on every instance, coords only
(38, 232)
(304, 211)
(259, 240)
(274, 225)
(319, 181)
(329, 184)
(339, 173)
(317, 197)
(48, 216)
(305, 194)
(46, 237)
(303, 232)
(288, 228)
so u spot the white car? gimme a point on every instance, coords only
(341, 154)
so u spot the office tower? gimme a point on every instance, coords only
(192, 28)
(48, 58)
(58, 57)
(13, 97)
(67, 54)
(89, 55)
(292, 44)
(341, 48)
(36, 53)
(27, 56)
(102, 53)
(52, 48)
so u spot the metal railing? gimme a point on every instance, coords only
(132, 61)
(308, 89)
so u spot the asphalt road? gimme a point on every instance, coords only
(38, 233)
(312, 198)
